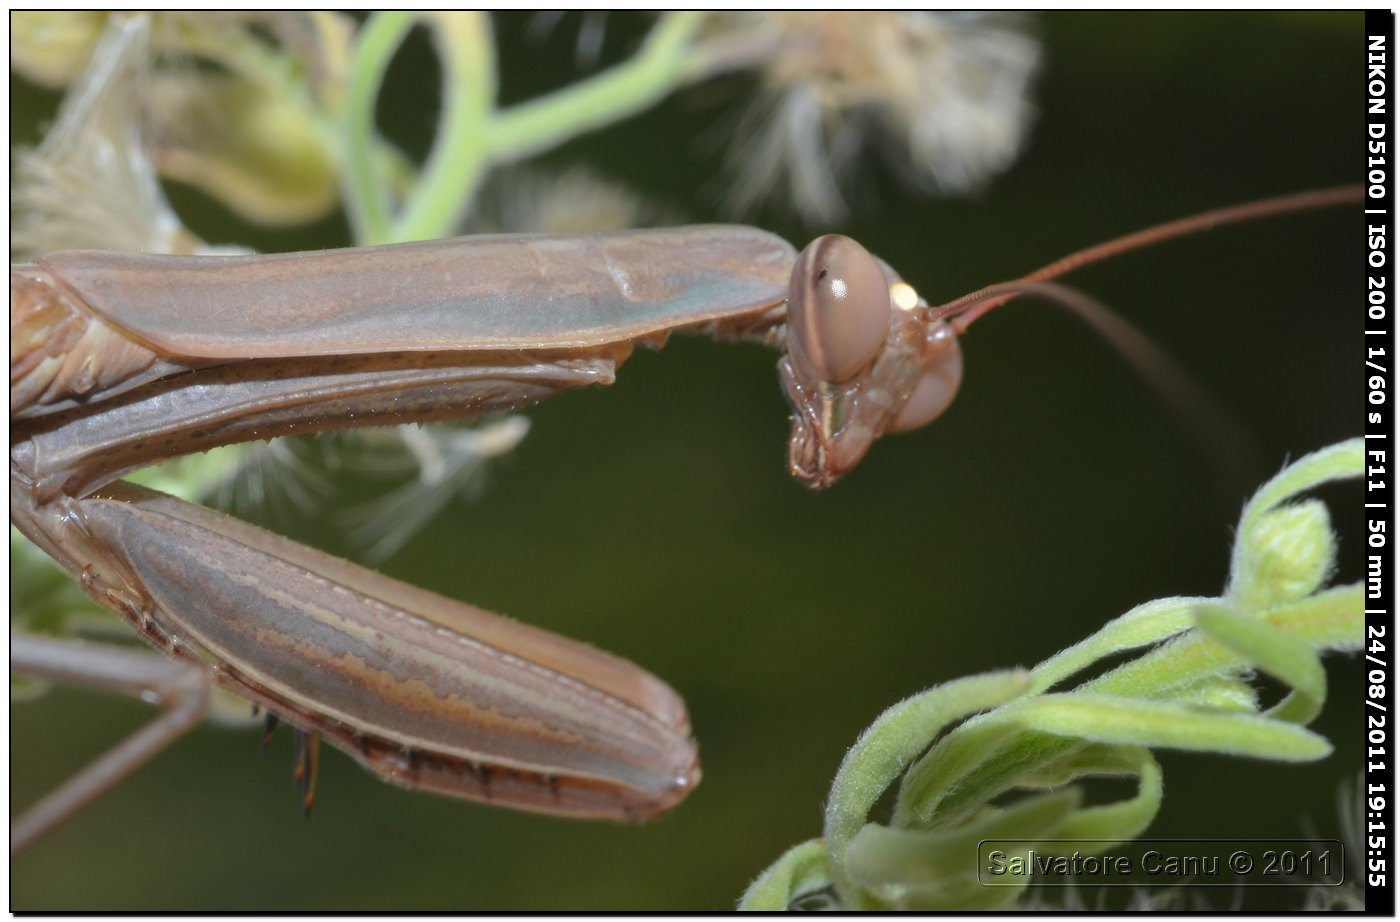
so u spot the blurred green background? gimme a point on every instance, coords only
(656, 519)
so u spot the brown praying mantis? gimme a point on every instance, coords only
(118, 361)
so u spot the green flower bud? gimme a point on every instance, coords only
(51, 47)
(258, 153)
(1288, 553)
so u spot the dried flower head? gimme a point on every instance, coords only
(941, 96)
(446, 462)
(90, 183)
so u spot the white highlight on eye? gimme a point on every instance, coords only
(839, 289)
(904, 296)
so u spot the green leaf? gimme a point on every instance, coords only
(1283, 656)
(895, 865)
(1106, 719)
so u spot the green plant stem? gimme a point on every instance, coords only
(890, 744)
(244, 55)
(663, 64)
(472, 135)
(460, 155)
(366, 202)
(801, 869)
(1145, 625)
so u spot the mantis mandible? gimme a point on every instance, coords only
(118, 361)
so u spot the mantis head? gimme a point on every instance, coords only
(867, 356)
(864, 358)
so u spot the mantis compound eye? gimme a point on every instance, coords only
(838, 309)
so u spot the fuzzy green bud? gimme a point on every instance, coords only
(1288, 553)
